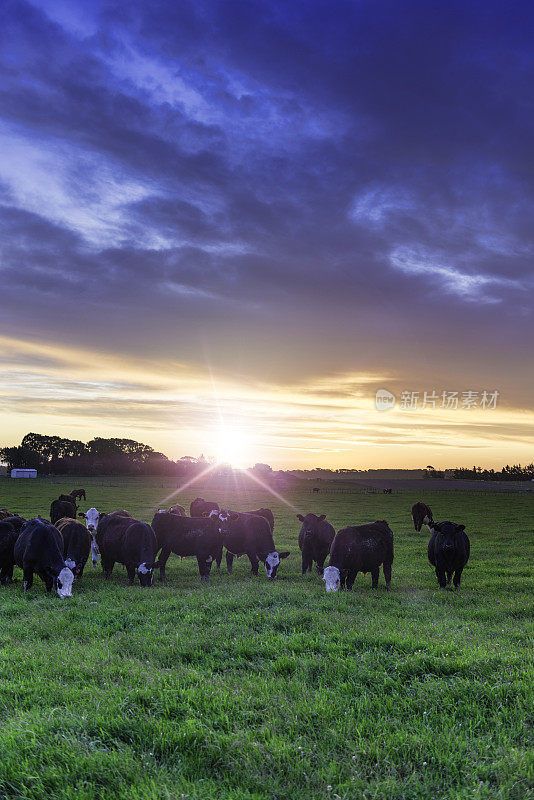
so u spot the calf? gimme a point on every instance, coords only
(177, 509)
(60, 509)
(8, 537)
(248, 534)
(39, 549)
(359, 548)
(188, 536)
(202, 508)
(315, 537)
(127, 541)
(92, 518)
(76, 544)
(448, 551)
(421, 515)
(78, 493)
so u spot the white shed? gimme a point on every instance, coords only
(23, 473)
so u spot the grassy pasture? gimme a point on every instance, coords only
(251, 689)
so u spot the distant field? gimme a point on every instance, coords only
(251, 689)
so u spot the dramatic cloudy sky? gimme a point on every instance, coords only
(253, 215)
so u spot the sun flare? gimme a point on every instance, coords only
(232, 447)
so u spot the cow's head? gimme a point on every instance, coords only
(332, 579)
(92, 518)
(272, 562)
(64, 582)
(448, 533)
(224, 519)
(310, 521)
(146, 573)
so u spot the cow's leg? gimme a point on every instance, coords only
(162, 561)
(204, 567)
(130, 569)
(229, 561)
(28, 578)
(307, 564)
(387, 574)
(320, 564)
(107, 567)
(458, 577)
(449, 578)
(48, 582)
(342, 578)
(218, 557)
(374, 577)
(254, 563)
(94, 553)
(440, 575)
(351, 577)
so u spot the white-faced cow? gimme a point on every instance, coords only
(250, 535)
(315, 537)
(39, 549)
(359, 548)
(421, 515)
(448, 552)
(76, 544)
(127, 541)
(92, 517)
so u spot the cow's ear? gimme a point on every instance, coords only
(299, 516)
(460, 527)
(101, 515)
(285, 554)
(81, 514)
(323, 516)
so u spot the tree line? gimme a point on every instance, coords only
(508, 473)
(58, 456)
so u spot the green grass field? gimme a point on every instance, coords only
(250, 689)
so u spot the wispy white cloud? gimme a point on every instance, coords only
(471, 287)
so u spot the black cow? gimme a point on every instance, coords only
(421, 515)
(266, 513)
(39, 549)
(201, 508)
(251, 535)
(127, 541)
(62, 508)
(188, 536)
(359, 548)
(17, 522)
(448, 551)
(78, 493)
(76, 544)
(315, 537)
(8, 537)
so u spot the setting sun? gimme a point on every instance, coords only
(232, 447)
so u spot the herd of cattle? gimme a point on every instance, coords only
(58, 550)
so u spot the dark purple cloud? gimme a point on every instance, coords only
(299, 188)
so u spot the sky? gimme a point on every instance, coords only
(226, 225)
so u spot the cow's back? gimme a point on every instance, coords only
(363, 546)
